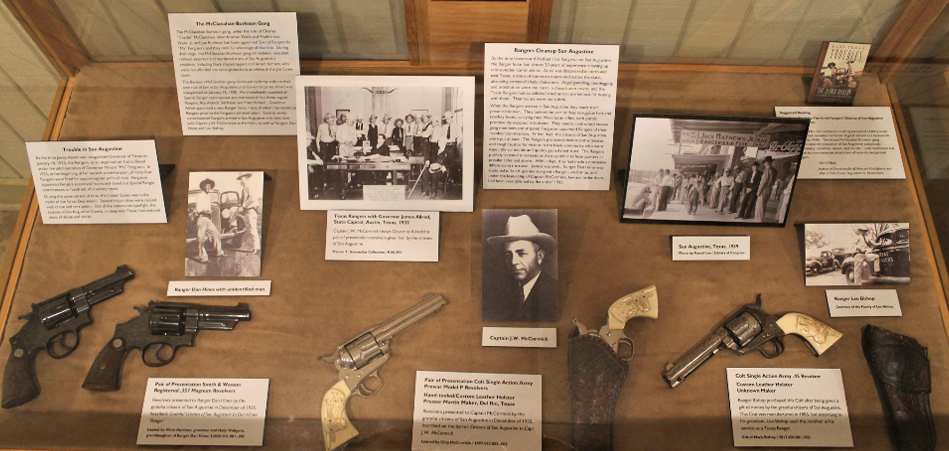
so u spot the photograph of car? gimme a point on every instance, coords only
(224, 223)
(856, 254)
(819, 261)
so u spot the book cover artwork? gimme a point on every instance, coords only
(838, 73)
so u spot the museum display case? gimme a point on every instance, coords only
(695, 57)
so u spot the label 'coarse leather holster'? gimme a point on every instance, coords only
(596, 379)
(900, 369)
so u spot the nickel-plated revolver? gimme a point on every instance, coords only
(158, 332)
(359, 360)
(748, 329)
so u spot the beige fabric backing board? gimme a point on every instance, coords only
(317, 305)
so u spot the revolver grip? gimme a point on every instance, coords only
(20, 384)
(818, 336)
(106, 371)
(337, 429)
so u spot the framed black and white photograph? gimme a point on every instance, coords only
(872, 253)
(712, 170)
(386, 143)
(224, 224)
(519, 265)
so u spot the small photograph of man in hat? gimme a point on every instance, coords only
(224, 223)
(519, 265)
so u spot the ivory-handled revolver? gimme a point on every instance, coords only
(359, 360)
(748, 329)
(597, 364)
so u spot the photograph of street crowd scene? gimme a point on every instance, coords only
(712, 170)
(383, 140)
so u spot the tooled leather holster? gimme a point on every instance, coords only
(596, 378)
(900, 369)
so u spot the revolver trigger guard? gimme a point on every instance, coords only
(777, 348)
(619, 345)
(366, 392)
(57, 347)
(154, 350)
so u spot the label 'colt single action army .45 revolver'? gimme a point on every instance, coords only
(53, 325)
(748, 329)
(360, 359)
(159, 330)
(598, 362)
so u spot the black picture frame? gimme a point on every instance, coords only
(696, 150)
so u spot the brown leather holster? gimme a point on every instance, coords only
(900, 369)
(596, 379)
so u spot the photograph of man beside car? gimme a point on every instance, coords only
(224, 223)
(856, 254)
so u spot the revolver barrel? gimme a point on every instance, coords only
(431, 303)
(677, 371)
(168, 318)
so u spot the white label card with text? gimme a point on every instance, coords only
(549, 111)
(519, 337)
(863, 303)
(218, 288)
(235, 72)
(97, 182)
(382, 236)
(204, 412)
(476, 411)
(699, 248)
(788, 407)
(848, 143)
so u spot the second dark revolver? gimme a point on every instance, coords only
(748, 329)
(158, 332)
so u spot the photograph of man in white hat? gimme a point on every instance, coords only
(519, 276)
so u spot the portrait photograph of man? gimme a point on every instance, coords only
(223, 236)
(519, 265)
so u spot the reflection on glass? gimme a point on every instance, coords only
(734, 32)
(137, 30)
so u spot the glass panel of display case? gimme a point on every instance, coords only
(137, 30)
(28, 87)
(734, 32)
(921, 94)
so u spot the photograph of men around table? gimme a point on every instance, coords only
(519, 265)
(873, 253)
(712, 170)
(393, 143)
(224, 224)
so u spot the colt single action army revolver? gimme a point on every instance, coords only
(359, 360)
(598, 362)
(748, 329)
(159, 330)
(53, 325)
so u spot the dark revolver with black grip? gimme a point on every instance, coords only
(158, 332)
(748, 329)
(53, 325)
